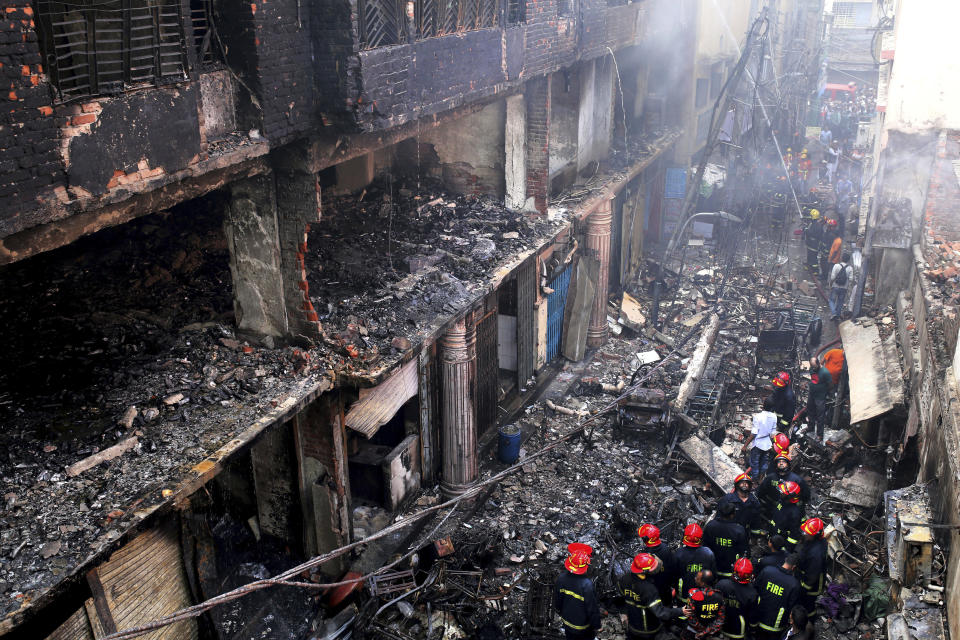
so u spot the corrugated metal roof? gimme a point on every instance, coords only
(876, 382)
(378, 405)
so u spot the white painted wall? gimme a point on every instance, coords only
(924, 92)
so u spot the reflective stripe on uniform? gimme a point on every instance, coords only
(776, 626)
(578, 627)
(571, 593)
(743, 630)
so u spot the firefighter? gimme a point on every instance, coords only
(654, 546)
(778, 552)
(812, 238)
(830, 234)
(803, 166)
(812, 561)
(689, 559)
(740, 598)
(705, 610)
(784, 400)
(645, 612)
(769, 492)
(575, 600)
(726, 538)
(745, 502)
(819, 386)
(778, 591)
(788, 159)
(787, 514)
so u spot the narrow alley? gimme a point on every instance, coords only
(496, 319)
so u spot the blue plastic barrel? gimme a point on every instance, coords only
(508, 444)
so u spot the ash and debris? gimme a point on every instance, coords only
(386, 266)
(127, 334)
(625, 469)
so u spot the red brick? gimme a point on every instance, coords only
(86, 118)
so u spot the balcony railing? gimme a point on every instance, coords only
(390, 22)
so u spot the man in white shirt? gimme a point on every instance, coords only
(764, 425)
(840, 277)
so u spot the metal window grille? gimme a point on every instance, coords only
(102, 47)
(844, 14)
(204, 33)
(385, 22)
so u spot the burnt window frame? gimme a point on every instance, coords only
(95, 48)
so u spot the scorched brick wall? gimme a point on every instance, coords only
(29, 162)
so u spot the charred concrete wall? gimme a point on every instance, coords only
(29, 166)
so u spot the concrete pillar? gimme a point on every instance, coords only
(250, 226)
(298, 204)
(458, 363)
(515, 141)
(598, 246)
(537, 94)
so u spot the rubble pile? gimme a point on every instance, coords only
(120, 355)
(385, 264)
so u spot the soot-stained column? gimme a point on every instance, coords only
(458, 362)
(598, 245)
(250, 225)
(537, 94)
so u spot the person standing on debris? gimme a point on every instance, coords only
(820, 383)
(778, 592)
(787, 515)
(833, 360)
(726, 538)
(769, 491)
(740, 598)
(778, 552)
(812, 561)
(690, 559)
(830, 235)
(745, 503)
(812, 237)
(663, 579)
(800, 627)
(840, 277)
(705, 611)
(764, 424)
(784, 400)
(575, 599)
(645, 611)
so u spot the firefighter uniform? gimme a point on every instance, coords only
(740, 600)
(812, 239)
(748, 513)
(728, 541)
(786, 522)
(778, 592)
(575, 599)
(772, 559)
(769, 491)
(810, 568)
(663, 580)
(687, 562)
(708, 613)
(645, 611)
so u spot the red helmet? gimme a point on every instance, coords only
(692, 535)
(579, 547)
(831, 222)
(743, 477)
(743, 570)
(783, 455)
(650, 535)
(812, 527)
(644, 563)
(577, 563)
(782, 379)
(781, 443)
(790, 490)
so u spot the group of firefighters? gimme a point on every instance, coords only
(714, 584)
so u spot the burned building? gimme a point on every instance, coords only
(270, 270)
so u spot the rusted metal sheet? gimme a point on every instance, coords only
(378, 405)
(526, 320)
(144, 581)
(863, 488)
(871, 392)
(711, 459)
